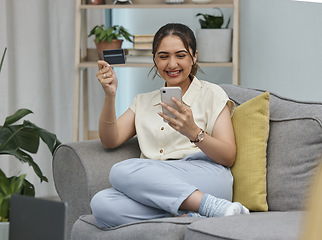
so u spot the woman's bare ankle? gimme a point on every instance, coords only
(192, 203)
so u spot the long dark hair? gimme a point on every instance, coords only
(187, 37)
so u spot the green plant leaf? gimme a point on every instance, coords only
(2, 176)
(7, 140)
(4, 197)
(110, 30)
(10, 186)
(211, 21)
(16, 184)
(48, 138)
(4, 184)
(92, 32)
(5, 188)
(17, 116)
(97, 39)
(26, 158)
(4, 208)
(27, 138)
(28, 189)
(227, 25)
(110, 38)
(114, 32)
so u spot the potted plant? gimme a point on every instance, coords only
(109, 38)
(214, 42)
(18, 140)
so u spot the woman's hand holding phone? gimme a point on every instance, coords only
(107, 77)
(178, 115)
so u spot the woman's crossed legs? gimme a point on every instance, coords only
(146, 189)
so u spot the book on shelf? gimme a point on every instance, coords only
(143, 41)
(139, 59)
(143, 38)
(142, 45)
(138, 52)
(138, 56)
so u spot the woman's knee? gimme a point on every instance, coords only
(100, 206)
(105, 209)
(121, 173)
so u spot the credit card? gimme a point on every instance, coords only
(114, 56)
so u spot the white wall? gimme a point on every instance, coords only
(281, 47)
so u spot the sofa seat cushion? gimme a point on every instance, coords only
(259, 225)
(158, 229)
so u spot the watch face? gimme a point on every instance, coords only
(201, 136)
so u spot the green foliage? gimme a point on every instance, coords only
(10, 186)
(17, 140)
(115, 32)
(212, 21)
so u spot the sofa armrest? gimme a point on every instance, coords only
(81, 169)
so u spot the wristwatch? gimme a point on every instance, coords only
(200, 137)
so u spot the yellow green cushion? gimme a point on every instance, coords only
(251, 126)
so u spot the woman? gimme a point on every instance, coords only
(197, 146)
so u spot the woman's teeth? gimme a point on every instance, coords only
(174, 73)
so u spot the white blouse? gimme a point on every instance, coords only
(157, 140)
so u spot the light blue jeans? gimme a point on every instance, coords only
(144, 189)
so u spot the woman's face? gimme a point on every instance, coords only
(174, 62)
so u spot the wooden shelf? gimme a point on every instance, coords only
(86, 58)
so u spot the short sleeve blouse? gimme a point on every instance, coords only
(157, 140)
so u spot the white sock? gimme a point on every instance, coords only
(236, 208)
(217, 207)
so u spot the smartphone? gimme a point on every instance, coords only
(114, 56)
(166, 96)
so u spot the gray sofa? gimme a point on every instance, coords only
(295, 144)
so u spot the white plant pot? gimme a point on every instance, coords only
(4, 230)
(214, 45)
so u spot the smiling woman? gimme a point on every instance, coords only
(196, 142)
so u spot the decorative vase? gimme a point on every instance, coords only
(214, 45)
(114, 44)
(4, 230)
(95, 2)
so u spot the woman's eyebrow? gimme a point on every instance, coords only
(184, 51)
(180, 51)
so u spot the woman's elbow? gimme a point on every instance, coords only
(231, 159)
(108, 145)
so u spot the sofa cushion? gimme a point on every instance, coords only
(158, 229)
(268, 225)
(294, 147)
(251, 127)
